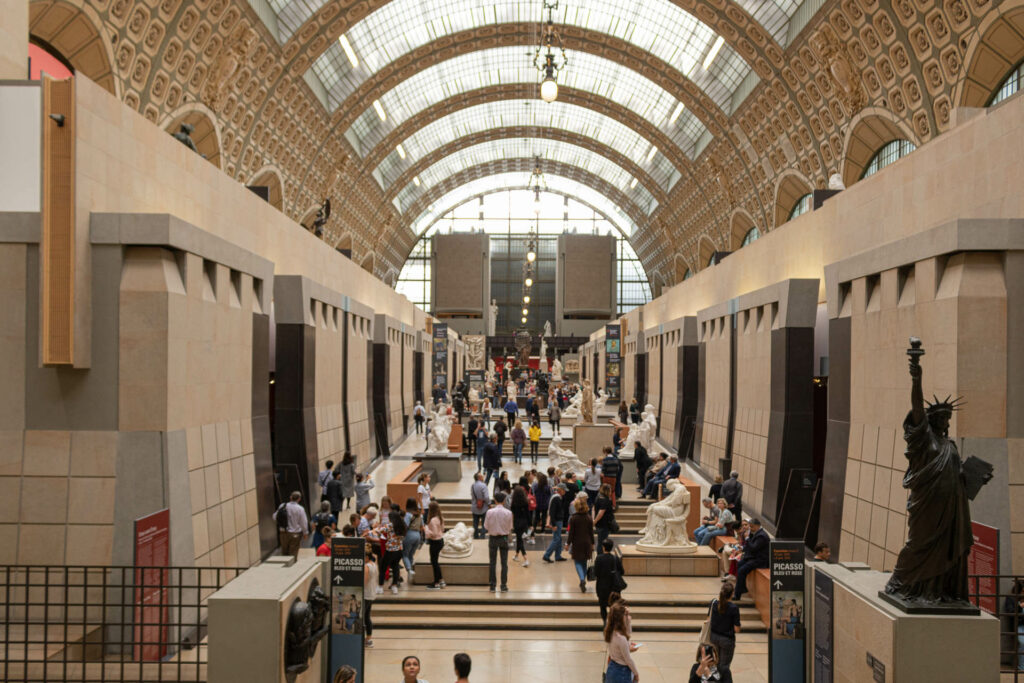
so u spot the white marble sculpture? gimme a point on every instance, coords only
(492, 320)
(512, 390)
(835, 182)
(440, 426)
(642, 432)
(458, 541)
(572, 411)
(600, 401)
(563, 458)
(542, 364)
(491, 370)
(556, 370)
(587, 405)
(475, 345)
(474, 395)
(547, 328)
(665, 531)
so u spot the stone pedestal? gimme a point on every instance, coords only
(248, 619)
(472, 570)
(588, 440)
(447, 466)
(695, 561)
(907, 647)
(455, 439)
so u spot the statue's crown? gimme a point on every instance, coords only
(946, 406)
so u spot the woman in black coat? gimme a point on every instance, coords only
(580, 539)
(521, 519)
(608, 568)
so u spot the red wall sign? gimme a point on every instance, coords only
(152, 611)
(984, 560)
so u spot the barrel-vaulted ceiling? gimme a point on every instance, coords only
(673, 116)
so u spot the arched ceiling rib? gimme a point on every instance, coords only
(573, 156)
(658, 27)
(615, 198)
(630, 154)
(508, 64)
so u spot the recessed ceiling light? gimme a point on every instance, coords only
(380, 110)
(416, 180)
(349, 52)
(650, 155)
(633, 184)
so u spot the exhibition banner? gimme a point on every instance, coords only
(439, 348)
(786, 605)
(983, 561)
(612, 362)
(348, 556)
(152, 583)
(823, 628)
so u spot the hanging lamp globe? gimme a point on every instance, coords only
(528, 282)
(526, 298)
(549, 89)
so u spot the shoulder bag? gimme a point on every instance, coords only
(705, 629)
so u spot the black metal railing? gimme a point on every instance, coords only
(90, 623)
(1002, 596)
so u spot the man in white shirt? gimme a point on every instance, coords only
(498, 524)
(296, 528)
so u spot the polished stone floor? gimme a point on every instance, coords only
(543, 656)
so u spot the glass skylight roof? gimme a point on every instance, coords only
(500, 181)
(773, 15)
(506, 65)
(656, 26)
(523, 148)
(507, 113)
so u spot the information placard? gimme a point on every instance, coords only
(152, 583)
(983, 560)
(348, 556)
(786, 648)
(439, 350)
(612, 362)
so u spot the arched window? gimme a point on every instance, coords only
(1011, 85)
(890, 152)
(711, 259)
(688, 274)
(751, 236)
(802, 206)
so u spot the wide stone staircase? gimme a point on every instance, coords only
(631, 515)
(485, 613)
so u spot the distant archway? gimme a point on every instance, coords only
(868, 133)
(997, 46)
(681, 268)
(741, 225)
(790, 187)
(270, 177)
(206, 135)
(705, 251)
(73, 34)
(367, 263)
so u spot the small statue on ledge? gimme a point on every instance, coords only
(322, 214)
(931, 570)
(184, 136)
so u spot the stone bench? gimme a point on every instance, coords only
(403, 485)
(758, 583)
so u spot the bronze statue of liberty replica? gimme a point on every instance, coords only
(931, 571)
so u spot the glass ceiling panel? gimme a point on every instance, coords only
(506, 65)
(530, 113)
(773, 15)
(527, 148)
(656, 26)
(501, 181)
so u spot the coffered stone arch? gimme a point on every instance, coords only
(706, 248)
(726, 17)
(614, 194)
(75, 33)
(527, 132)
(525, 35)
(206, 133)
(867, 132)
(789, 188)
(367, 263)
(681, 267)
(740, 224)
(270, 176)
(995, 48)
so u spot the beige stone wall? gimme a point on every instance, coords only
(753, 400)
(185, 363)
(408, 343)
(958, 307)
(394, 337)
(360, 332)
(670, 341)
(14, 40)
(330, 426)
(654, 394)
(715, 335)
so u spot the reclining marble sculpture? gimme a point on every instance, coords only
(563, 458)
(665, 531)
(458, 541)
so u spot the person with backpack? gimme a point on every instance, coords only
(321, 520)
(609, 573)
(324, 477)
(419, 416)
(292, 524)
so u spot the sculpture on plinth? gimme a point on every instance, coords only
(931, 570)
(587, 404)
(665, 531)
(600, 401)
(556, 370)
(511, 390)
(572, 411)
(492, 320)
(458, 541)
(547, 328)
(563, 458)
(491, 370)
(542, 362)
(439, 428)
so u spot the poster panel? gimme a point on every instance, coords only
(983, 560)
(613, 362)
(823, 628)
(347, 558)
(152, 555)
(439, 349)
(786, 634)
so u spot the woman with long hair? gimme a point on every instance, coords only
(413, 538)
(520, 521)
(608, 572)
(623, 413)
(706, 669)
(542, 494)
(434, 531)
(580, 539)
(411, 670)
(617, 629)
(592, 482)
(725, 624)
(534, 440)
(392, 531)
(347, 469)
(370, 585)
(518, 441)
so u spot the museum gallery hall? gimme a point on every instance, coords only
(512, 340)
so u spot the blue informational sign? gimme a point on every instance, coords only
(347, 558)
(786, 634)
